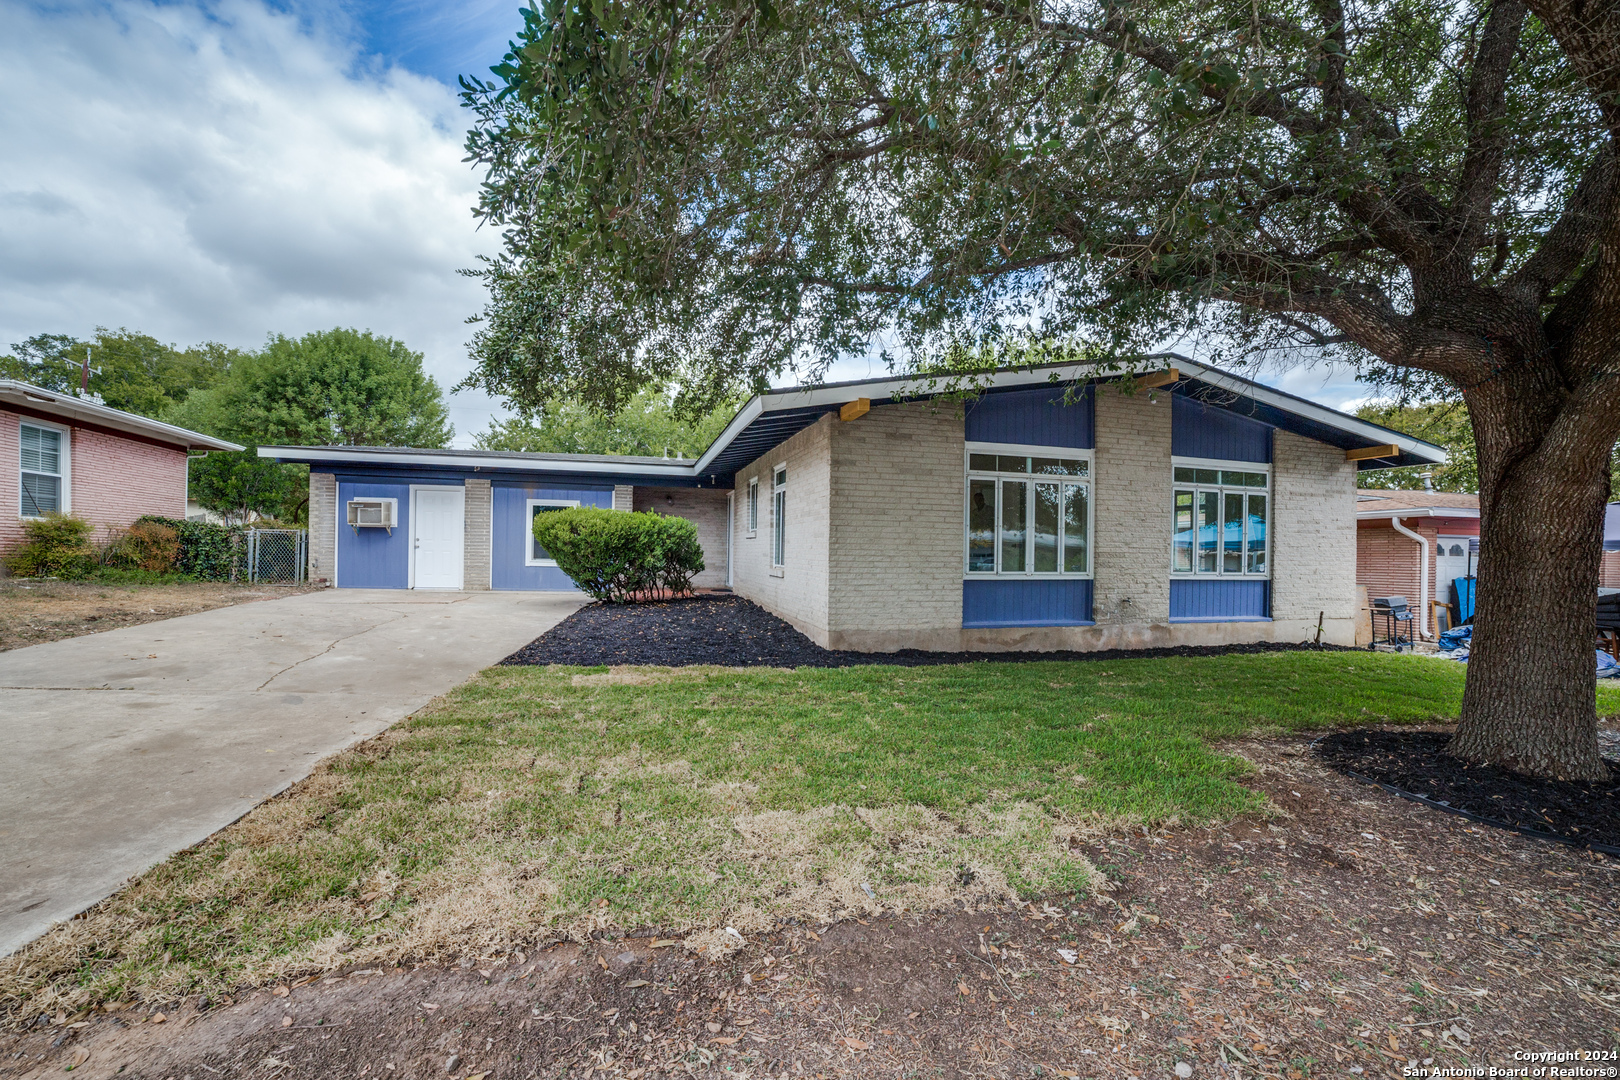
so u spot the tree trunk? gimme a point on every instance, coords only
(1530, 703)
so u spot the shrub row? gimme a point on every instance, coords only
(59, 545)
(621, 557)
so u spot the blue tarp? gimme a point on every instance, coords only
(1456, 638)
(1464, 587)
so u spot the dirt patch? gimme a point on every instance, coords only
(729, 631)
(1350, 933)
(32, 612)
(1416, 762)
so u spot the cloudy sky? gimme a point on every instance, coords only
(224, 170)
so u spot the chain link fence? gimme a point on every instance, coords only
(274, 555)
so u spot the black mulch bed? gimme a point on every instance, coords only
(733, 632)
(1416, 762)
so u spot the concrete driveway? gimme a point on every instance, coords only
(124, 747)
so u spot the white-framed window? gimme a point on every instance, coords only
(44, 460)
(536, 554)
(1028, 511)
(753, 506)
(779, 516)
(1220, 518)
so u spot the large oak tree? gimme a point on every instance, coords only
(706, 190)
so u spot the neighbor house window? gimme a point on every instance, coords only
(779, 516)
(1221, 519)
(538, 556)
(1028, 510)
(44, 460)
(753, 506)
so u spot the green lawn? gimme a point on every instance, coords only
(535, 803)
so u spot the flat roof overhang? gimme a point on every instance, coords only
(770, 419)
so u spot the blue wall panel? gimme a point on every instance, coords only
(1215, 600)
(1205, 431)
(509, 538)
(991, 602)
(1036, 417)
(373, 558)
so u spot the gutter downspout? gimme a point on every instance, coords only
(1423, 575)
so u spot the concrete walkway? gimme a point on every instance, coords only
(124, 747)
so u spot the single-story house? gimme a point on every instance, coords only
(73, 454)
(1052, 510)
(1415, 544)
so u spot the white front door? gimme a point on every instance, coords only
(436, 538)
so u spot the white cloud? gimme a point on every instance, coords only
(225, 172)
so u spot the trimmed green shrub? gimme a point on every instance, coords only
(57, 545)
(621, 557)
(207, 552)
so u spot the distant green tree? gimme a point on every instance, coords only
(332, 388)
(648, 425)
(1445, 423)
(131, 371)
(241, 486)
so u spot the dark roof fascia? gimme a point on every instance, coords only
(366, 471)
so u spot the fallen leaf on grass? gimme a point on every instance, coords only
(280, 991)
(80, 1056)
(725, 1040)
(855, 1044)
(633, 983)
(1068, 956)
(477, 1076)
(286, 1021)
(157, 1018)
(664, 943)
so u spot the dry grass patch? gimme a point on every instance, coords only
(533, 805)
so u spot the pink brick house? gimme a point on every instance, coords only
(62, 452)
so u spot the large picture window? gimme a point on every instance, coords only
(537, 555)
(779, 516)
(1221, 519)
(43, 458)
(1028, 511)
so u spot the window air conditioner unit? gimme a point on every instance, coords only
(373, 514)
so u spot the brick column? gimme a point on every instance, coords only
(323, 525)
(1313, 540)
(623, 497)
(1132, 513)
(475, 550)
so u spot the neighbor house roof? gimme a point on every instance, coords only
(769, 419)
(1385, 503)
(74, 409)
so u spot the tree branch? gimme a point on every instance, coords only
(1487, 136)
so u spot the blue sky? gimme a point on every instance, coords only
(226, 169)
(439, 40)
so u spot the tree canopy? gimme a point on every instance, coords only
(330, 388)
(646, 425)
(130, 370)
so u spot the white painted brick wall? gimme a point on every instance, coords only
(1131, 546)
(1313, 547)
(475, 567)
(799, 592)
(322, 526)
(703, 507)
(895, 559)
